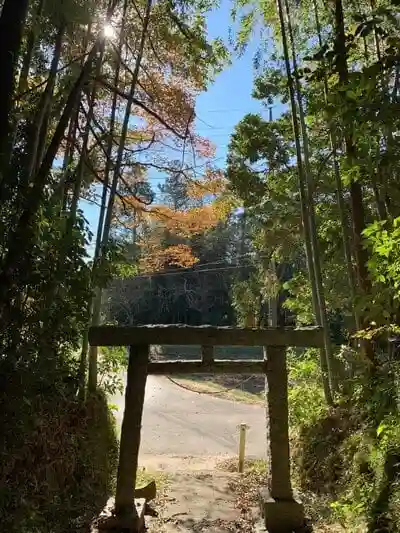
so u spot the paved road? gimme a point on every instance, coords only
(177, 422)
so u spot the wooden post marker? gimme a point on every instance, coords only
(242, 446)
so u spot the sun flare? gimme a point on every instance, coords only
(108, 31)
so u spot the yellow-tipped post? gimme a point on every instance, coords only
(242, 446)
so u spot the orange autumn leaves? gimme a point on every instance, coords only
(213, 183)
(167, 243)
(165, 234)
(187, 223)
(156, 258)
(171, 98)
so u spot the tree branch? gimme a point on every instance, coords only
(143, 106)
(120, 176)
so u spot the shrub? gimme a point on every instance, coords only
(306, 396)
(58, 455)
(318, 455)
(349, 454)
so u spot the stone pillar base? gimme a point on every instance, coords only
(129, 523)
(281, 516)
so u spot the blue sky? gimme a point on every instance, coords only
(229, 98)
(225, 102)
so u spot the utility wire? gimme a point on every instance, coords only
(180, 273)
(199, 269)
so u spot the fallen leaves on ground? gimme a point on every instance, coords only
(246, 486)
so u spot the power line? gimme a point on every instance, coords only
(181, 272)
(220, 262)
(194, 271)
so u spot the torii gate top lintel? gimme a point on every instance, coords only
(310, 337)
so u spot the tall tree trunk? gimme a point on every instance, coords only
(26, 63)
(72, 218)
(93, 353)
(20, 241)
(12, 20)
(358, 216)
(65, 248)
(30, 45)
(62, 189)
(34, 199)
(303, 194)
(379, 201)
(382, 204)
(321, 313)
(38, 129)
(356, 193)
(79, 175)
(94, 306)
(339, 190)
(60, 194)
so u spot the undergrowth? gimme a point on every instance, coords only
(348, 457)
(58, 455)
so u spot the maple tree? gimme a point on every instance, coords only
(163, 231)
(139, 80)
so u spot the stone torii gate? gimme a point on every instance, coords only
(282, 513)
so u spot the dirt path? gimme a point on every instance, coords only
(200, 501)
(171, 464)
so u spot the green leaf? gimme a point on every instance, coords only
(381, 428)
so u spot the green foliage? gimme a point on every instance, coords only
(246, 301)
(383, 238)
(371, 495)
(270, 85)
(316, 432)
(300, 288)
(124, 270)
(112, 362)
(306, 396)
(257, 147)
(349, 454)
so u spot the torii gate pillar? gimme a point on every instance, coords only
(282, 513)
